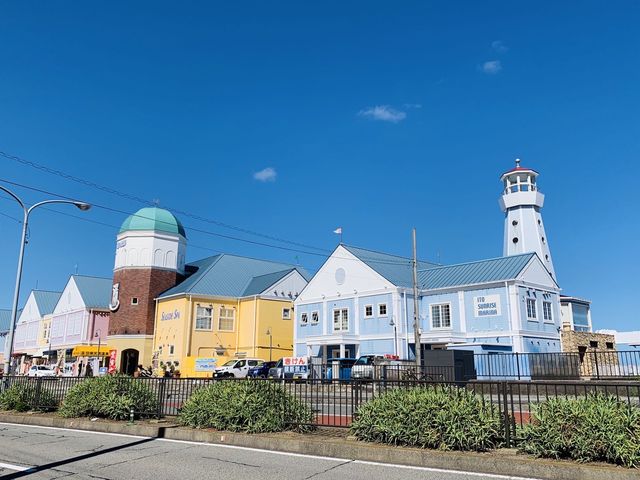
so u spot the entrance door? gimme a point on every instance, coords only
(129, 361)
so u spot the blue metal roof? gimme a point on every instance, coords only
(228, 275)
(46, 301)
(396, 269)
(95, 291)
(483, 271)
(5, 320)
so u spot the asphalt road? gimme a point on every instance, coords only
(51, 453)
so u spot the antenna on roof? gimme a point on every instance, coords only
(156, 202)
(75, 267)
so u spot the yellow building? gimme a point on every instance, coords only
(230, 307)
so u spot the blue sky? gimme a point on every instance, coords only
(373, 116)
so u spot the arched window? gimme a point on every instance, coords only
(157, 258)
(170, 259)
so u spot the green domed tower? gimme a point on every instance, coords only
(150, 258)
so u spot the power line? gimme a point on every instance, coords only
(403, 261)
(128, 196)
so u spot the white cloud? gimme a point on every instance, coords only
(491, 67)
(499, 46)
(266, 175)
(383, 113)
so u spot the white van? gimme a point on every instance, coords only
(237, 368)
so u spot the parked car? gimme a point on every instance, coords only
(261, 371)
(371, 367)
(277, 371)
(237, 368)
(41, 371)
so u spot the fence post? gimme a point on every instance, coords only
(505, 416)
(36, 400)
(595, 358)
(161, 390)
(518, 364)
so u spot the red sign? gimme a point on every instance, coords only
(294, 361)
(112, 361)
(388, 356)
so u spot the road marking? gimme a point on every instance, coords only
(273, 452)
(17, 468)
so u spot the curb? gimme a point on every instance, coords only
(502, 462)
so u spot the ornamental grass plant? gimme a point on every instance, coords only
(252, 406)
(438, 417)
(110, 397)
(597, 427)
(23, 398)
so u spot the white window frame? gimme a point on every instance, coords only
(315, 317)
(201, 317)
(286, 313)
(343, 316)
(439, 306)
(532, 311)
(386, 310)
(226, 317)
(547, 311)
(365, 311)
(136, 301)
(304, 318)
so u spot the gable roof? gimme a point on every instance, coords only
(95, 291)
(227, 275)
(483, 271)
(396, 269)
(5, 320)
(46, 301)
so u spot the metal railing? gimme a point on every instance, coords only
(598, 365)
(335, 403)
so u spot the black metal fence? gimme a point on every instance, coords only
(335, 403)
(598, 365)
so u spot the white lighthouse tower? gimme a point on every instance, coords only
(523, 226)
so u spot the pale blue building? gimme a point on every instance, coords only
(361, 301)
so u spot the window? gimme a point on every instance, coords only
(304, 318)
(226, 319)
(204, 316)
(531, 309)
(171, 349)
(286, 314)
(341, 320)
(382, 310)
(441, 316)
(609, 345)
(134, 300)
(315, 317)
(547, 314)
(368, 311)
(593, 344)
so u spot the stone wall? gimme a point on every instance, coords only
(597, 353)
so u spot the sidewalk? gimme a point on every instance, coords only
(335, 443)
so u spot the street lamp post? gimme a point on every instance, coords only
(98, 335)
(395, 336)
(270, 333)
(16, 293)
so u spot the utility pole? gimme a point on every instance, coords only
(416, 312)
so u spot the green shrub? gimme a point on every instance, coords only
(247, 406)
(109, 397)
(597, 427)
(445, 418)
(24, 397)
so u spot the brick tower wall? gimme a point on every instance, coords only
(145, 284)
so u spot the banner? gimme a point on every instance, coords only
(112, 361)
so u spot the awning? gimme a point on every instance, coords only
(90, 351)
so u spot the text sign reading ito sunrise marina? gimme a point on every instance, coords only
(487, 306)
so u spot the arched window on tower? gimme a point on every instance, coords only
(132, 256)
(170, 259)
(157, 258)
